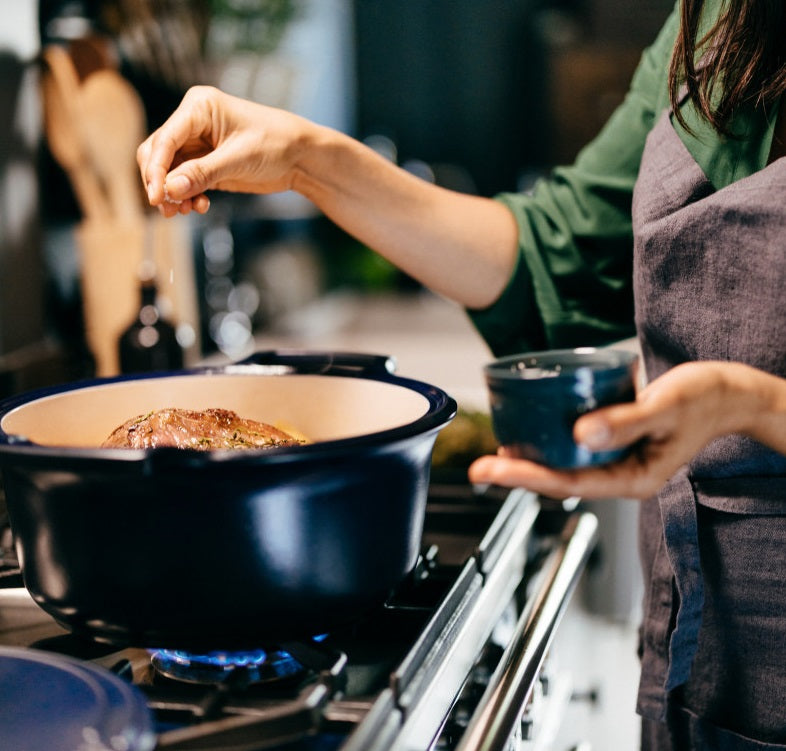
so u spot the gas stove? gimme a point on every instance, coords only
(459, 658)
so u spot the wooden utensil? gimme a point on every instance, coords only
(110, 255)
(113, 124)
(60, 87)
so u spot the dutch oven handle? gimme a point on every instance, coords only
(306, 361)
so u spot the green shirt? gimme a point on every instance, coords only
(572, 284)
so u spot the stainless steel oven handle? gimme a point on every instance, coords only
(495, 719)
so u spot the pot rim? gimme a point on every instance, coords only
(441, 410)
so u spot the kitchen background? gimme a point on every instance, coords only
(478, 96)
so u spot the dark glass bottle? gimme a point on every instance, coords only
(149, 343)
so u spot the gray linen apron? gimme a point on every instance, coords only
(710, 283)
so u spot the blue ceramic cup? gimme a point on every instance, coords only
(537, 397)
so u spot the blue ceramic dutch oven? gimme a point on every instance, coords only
(169, 547)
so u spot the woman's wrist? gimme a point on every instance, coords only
(328, 163)
(756, 404)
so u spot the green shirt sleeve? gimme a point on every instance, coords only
(572, 284)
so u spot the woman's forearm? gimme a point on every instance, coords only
(459, 245)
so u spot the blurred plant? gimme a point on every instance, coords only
(249, 25)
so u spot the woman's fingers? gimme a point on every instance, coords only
(200, 203)
(155, 157)
(509, 472)
(185, 135)
(629, 478)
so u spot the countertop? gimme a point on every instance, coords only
(430, 337)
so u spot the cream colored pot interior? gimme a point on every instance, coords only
(318, 407)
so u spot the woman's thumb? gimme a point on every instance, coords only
(613, 427)
(178, 187)
(192, 177)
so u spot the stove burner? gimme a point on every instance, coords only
(255, 666)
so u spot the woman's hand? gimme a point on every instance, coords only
(217, 141)
(673, 418)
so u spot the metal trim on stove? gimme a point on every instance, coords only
(380, 724)
(498, 715)
(426, 685)
(519, 504)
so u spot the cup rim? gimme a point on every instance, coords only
(606, 361)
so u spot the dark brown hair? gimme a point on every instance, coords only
(739, 61)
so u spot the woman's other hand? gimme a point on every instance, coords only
(217, 141)
(672, 419)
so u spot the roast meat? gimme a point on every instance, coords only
(197, 429)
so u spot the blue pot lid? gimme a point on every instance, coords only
(54, 703)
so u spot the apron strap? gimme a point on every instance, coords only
(680, 528)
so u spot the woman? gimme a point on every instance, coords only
(675, 211)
